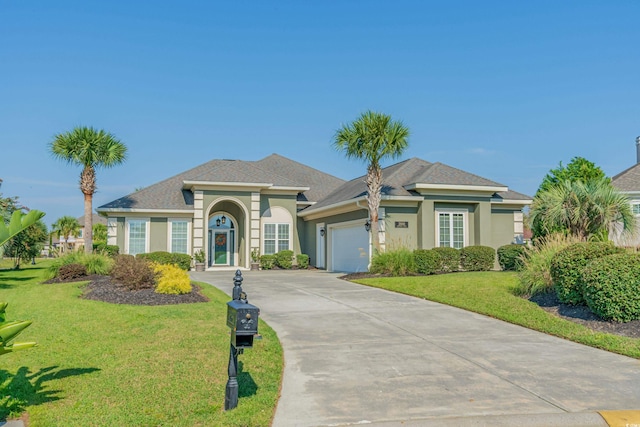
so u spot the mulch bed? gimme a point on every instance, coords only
(582, 315)
(550, 303)
(103, 288)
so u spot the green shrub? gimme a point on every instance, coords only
(171, 279)
(511, 257)
(94, 263)
(104, 249)
(477, 258)
(535, 276)
(267, 262)
(612, 286)
(448, 259)
(72, 271)
(398, 262)
(568, 263)
(426, 261)
(183, 261)
(303, 261)
(284, 259)
(133, 273)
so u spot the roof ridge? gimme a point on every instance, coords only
(299, 163)
(178, 175)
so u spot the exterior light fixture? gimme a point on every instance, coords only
(367, 226)
(218, 222)
(224, 219)
(322, 232)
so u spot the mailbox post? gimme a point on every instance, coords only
(242, 318)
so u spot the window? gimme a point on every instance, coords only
(451, 229)
(635, 208)
(179, 236)
(137, 236)
(276, 238)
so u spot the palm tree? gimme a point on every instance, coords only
(372, 137)
(591, 209)
(89, 148)
(66, 226)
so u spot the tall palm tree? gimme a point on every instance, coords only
(584, 209)
(89, 148)
(64, 227)
(371, 138)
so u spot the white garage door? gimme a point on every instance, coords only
(349, 249)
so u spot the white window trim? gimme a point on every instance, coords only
(170, 232)
(146, 232)
(635, 203)
(465, 219)
(112, 231)
(277, 224)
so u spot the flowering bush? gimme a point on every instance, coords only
(171, 279)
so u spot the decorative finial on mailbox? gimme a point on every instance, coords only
(237, 286)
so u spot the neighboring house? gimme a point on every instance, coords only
(628, 182)
(75, 243)
(97, 219)
(227, 208)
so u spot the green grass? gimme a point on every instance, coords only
(100, 364)
(492, 293)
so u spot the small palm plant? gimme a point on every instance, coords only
(9, 330)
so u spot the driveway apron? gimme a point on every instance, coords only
(360, 355)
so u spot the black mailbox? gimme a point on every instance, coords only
(242, 318)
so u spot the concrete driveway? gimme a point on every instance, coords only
(359, 355)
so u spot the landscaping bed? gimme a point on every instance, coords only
(583, 315)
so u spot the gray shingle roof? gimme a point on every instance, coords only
(628, 180)
(412, 171)
(274, 169)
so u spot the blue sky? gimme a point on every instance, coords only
(502, 89)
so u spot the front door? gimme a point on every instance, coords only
(221, 247)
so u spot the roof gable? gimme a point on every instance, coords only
(275, 170)
(628, 180)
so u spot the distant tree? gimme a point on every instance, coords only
(28, 244)
(371, 138)
(578, 169)
(89, 148)
(65, 227)
(99, 233)
(585, 210)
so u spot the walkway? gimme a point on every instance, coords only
(359, 355)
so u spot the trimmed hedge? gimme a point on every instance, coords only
(567, 266)
(426, 261)
(510, 257)
(284, 259)
(612, 286)
(477, 258)
(183, 261)
(448, 259)
(267, 262)
(103, 248)
(303, 261)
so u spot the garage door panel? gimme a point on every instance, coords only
(350, 249)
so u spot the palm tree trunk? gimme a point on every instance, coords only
(88, 224)
(374, 188)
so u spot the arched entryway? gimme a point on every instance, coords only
(225, 241)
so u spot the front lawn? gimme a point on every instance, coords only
(492, 293)
(100, 364)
